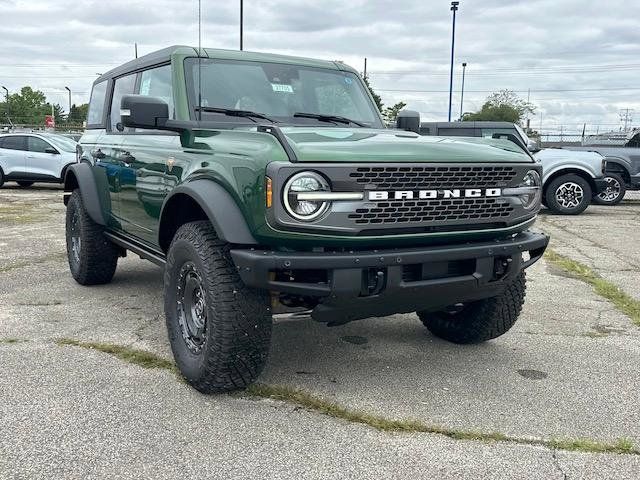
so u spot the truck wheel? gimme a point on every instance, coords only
(481, 320)
(614, 191)
(568, 195)
(1, 177)
(219, 329)
(92, 258)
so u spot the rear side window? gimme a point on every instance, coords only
(124, 86)
(156, 82)
(96, 105)
(15, 143)
(37, 145)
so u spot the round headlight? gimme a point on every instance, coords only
(533, 196)
(305, 209)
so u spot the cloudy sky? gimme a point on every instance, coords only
(580, 59)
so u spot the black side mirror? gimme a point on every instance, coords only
(141, 111)
(408, 120)
(51, 150)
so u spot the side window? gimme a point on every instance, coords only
(96, 105)
(37, 145)
(17, 142)
(124, 86)
(157, 83)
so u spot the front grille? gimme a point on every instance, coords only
(403, 178)
(443, 210)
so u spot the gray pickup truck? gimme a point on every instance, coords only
(622, 167)
(571, 180)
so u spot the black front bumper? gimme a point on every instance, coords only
(360, 284)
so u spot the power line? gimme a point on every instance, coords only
(540, 90)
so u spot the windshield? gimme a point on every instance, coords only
(279, 91)
(63, 143)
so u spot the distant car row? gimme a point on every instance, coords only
(572, 177)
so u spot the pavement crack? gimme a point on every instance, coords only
(556, 464)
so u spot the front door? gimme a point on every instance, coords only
(42, 159)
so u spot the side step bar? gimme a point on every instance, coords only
(143, 252)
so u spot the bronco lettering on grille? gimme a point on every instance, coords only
(434, 194)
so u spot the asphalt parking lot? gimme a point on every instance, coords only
(536, 403)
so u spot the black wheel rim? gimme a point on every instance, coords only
(612, 190)
(76, 241)
(192, 308)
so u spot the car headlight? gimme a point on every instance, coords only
(531, 190)
(305, 207)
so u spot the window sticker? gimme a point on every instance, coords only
(281, 87)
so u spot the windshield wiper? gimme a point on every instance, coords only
(232, 112)
(328, 118)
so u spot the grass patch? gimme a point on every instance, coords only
(138, 357)
(623, 302)
(12, 340)
(320, 405)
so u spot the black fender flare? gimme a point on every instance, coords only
(80, 176)
(624, 166)
(220, 208)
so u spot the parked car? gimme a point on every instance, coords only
(622, 168)
(268, 184)
(570, 180)
(26, 158)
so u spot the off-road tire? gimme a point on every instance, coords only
(233, 345)
(568, 179)
(93, 261)
(481, 320)
(1, 177)
(25, 184)
(620, 188)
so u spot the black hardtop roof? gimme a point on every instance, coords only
(478, 124)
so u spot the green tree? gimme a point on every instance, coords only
(78, 114)
(376, 97)
(390, 113)
(503, 106)
(29, 107)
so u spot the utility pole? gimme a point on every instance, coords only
(135, 47)
(464, 67)
(6, 95)
(365, 68)
(69, 90)
(454, 9)
(241, 22)
(626, 116)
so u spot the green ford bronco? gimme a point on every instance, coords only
(266, 184)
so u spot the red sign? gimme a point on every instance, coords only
(49, 121)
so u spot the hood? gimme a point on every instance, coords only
(327, 144)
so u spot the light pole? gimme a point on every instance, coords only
(69, 90)
(454, 9)
(464, 67)
(241, 21)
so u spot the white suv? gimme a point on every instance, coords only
(35, 157)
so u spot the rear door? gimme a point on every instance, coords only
(12, 156)
(42, 158)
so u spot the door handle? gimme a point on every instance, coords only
(98, 154)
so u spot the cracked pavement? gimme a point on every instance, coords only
(568, 369)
